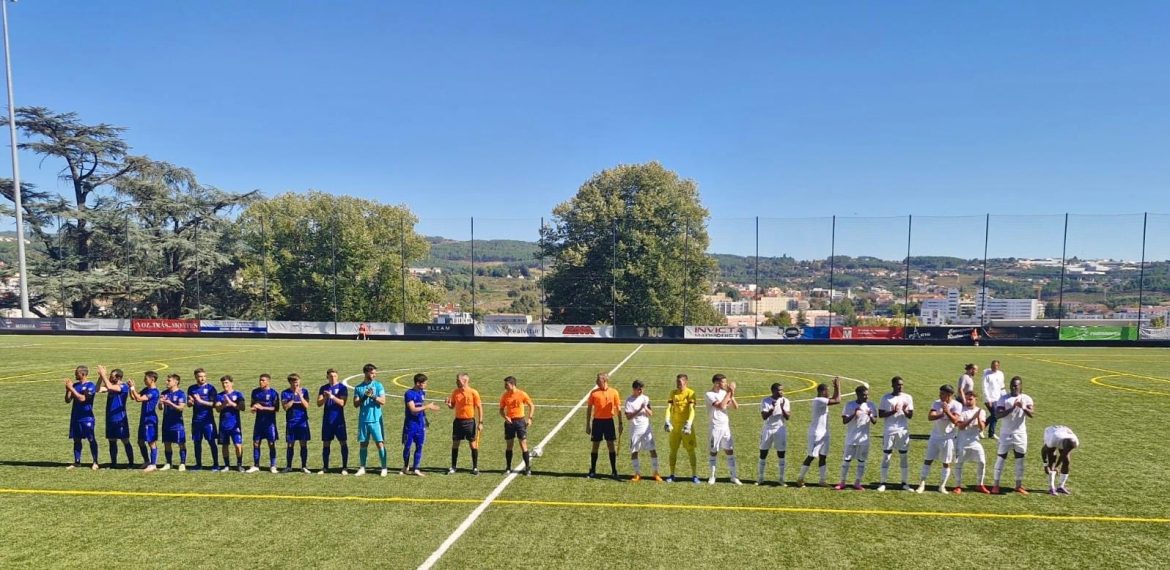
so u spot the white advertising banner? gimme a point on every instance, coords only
(719, 332)
(511, 330)
(578, 331)
(375, 329)
(301, 327)
(105, 325)
(1148, 333)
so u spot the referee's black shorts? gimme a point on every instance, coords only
(463, 430)
(516, 428)
(603, 429)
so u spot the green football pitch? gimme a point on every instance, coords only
(1115, 399)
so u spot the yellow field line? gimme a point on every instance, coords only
(593, 505)
(1097, 380)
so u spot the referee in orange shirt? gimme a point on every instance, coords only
(603, 407)
(468, 421)
(516, 422)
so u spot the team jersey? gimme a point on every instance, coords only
(718, 417)
(229, 418)
(149, 407)
(116, 405)
(820, 417)
(465, 401)
(513, 403)
(200, 413)
(334, 412)
(173, 418)
(370, 411)
(943, 428)
(268, 398)
(682, 405)
(897, 423)
(1016, 421)
(638, 405)
(857, 430)
(970, 434)
(296, 415)
(414, 420)
(966, 384)
(605, 403)
(778, 409)
(992, 386)
(83, 410)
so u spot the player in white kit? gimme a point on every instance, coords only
(637, 410)
(818, 430)
(966, 382)
(1059, 443)
(721, 397)
(857, 416)
(896, 408)
(968, 448)
(944, 412)
(992, 390)
(1014, 408)
(775, 411)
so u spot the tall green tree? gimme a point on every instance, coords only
(304, 251)
(632, 244)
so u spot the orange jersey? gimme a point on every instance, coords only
(465, 400)
(513, 403)
(605, 403)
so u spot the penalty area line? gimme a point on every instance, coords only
(471, 518)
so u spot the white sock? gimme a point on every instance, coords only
(998, 470)
(844, 470)
(760, 469)
(946, 474)
(959, 474)
(885, 467)
(803, 471)
(904, 459)
(980, 471)
(731, 466)
(1052, 479)
(637, 466)
(783, 468)
(654, 464)
(860, 471)
(1019, 471)
(824, 469)
(1063, 479)
(711, 461)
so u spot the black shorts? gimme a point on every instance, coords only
(603, 429)
(463, 430)
(515, 429)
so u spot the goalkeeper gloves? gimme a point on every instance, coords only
(687, 428)
(669, 428)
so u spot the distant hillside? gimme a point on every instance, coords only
(488, 250)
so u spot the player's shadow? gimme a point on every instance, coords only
(49, 464)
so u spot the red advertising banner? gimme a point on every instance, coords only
(165, 326)
(866, 333)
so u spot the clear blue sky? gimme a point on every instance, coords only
(778, 109)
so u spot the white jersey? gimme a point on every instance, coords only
(857, 430)
(1015, 423)
(943, 428)
(970, 435)
(820, 418)
(992, 386)
(1054, 436)
(897, 423)
(639, 406)
(778, 408)
(718, 417)
(966, 384)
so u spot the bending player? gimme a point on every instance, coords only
(369, 397)
(80, 393)
(719, 399)
(968, 448)
(229, 402)
(944, 412)
(117, 420)
(857, 416)
(897, 408)
(637, 410)
(1059, 443)
(818, 430)
(775, 411)
(265, 399)
(172, 402)
(468, 422)
(516, 422)
(680, 418)
(333, 396)
(603, 407)
(414, 424)
(1014, 408)
(148, 420)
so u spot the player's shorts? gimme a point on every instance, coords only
(516, 428)
(148, 432)
(774, 437)
(641, 439)
(942, 449)
(818, 445)
(1017, 442)
(174, 434)
(858, 451)
(896, 441)
(971, 452)
(333, 430)
(677, 437)
(118, 430)
(231, 435)
(603, 429)
(203, 430)
(463, 430)
(296, 433)
(1054, 436)
(416, 435)
(370, 430)
(720, 439)
(81, 429)
(266, 431)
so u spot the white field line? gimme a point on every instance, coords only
(471, 518)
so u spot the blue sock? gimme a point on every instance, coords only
(417, 456)
(325, 458)
(113, 452)
(272, 456)
(215, 455)
(77, 451)
(256, 456)
(362, 454)
(183, 455)
(288, 453)
(170, 456)
(93, 449)
(198, 453)
(154, 455)
(130, 452)
(142, 447)
(382, 456)
(344, 456)
(406, 456)
(304, 456)
(227, 459)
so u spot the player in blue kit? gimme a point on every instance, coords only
(414, 423)
(148, 421)
(172, 402)
(229, 402)
(295, 402)
(369, 397)
(333, 396)
(80, 392)
(264, 402)
(117, 420)
(201, 397)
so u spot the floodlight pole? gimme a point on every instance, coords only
(22, 264)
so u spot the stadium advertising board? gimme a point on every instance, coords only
(649, 332)
(102, 325)
(1149, 333)
(938, 334)
(236, 327)
(373, 329)
(508, 330)
(578, 331)
(1022, 333)
(301, 327)
(165, 326)
(439, 330)
(720, 332)
(32, 324)
(866, 333)
(1098, 333)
